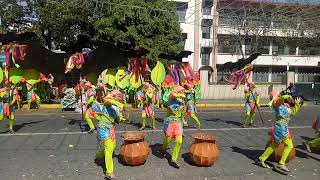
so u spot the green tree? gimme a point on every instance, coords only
(10, 14)
(131, 24)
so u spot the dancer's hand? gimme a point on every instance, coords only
(298, 100)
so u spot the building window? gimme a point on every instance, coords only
(205, 56)
(181, 11)
(206, 28)
(206, 7)
(260, 74)
(229, 45)
(183, 39)
(304, 50)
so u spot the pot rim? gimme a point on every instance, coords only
(133, 136)
(204, 137)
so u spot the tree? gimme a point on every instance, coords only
(132, 24)
(11, 14)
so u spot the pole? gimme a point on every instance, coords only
(257, 107)
(81, 96)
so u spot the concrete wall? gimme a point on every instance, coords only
(217, 91)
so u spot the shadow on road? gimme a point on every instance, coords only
(20, 126)
(156, 150)
(306, 138)
(252, 154)
(82, 125)
(233, 123)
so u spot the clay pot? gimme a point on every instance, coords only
(276, 155)
(204, 151)
(135, 150)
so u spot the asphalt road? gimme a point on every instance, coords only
(40, 149)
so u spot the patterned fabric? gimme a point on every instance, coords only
(172, 129)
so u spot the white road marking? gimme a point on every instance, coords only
(156, 130)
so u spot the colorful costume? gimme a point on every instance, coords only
(190, 105)
(148, 108)
(90, 103)
(32, 97)
(6, 108)
(106, 116)
(172, 125)
(252, 101)
(235, 78)
(315, 143)
(280, 132)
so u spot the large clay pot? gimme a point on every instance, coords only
(276, 155)
(135, 150)
(204, 151)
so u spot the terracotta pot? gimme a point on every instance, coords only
(204, 151)
(276, 155)
(135, 150)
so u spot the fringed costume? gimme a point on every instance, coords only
(172, 125)
(284, 107)
(148, 107)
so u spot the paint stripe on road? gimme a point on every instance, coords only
(156, 130)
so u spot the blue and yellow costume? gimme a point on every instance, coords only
(190, 106)
(6, 108)
(252, 99)
(280, 132)
(172, 125)
(32, 96)
(106, 116)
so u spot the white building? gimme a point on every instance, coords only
(210, 32)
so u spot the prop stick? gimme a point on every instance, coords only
(81, 96)
(257, 107)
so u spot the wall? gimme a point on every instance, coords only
(217, 91)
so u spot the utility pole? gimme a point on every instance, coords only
(215, 24)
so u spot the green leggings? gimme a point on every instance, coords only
(176, 148)
(88, 120)
(249, 115)
(11, 120)
(288, 147)
(315, 143)
(106, 153)
(144, 119)
(193, 117)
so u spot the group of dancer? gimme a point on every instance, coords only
(109, 111)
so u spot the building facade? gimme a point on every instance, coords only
(222, 31)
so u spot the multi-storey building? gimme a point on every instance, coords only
(219, 31)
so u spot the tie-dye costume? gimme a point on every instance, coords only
(148, 108)
(280, 132)
(172, 125)
(106, 116)
(6, 108)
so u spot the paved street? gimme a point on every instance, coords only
(40, 149)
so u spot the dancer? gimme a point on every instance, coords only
(107, 116)
(252, 98)
(315, 143)
(284, 107)
(6, 108)
(32, 96)
(172, 125)
(149, 99)
(90, 102)
(190, 105)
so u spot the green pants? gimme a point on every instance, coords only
(288, 147)
(11, 120)
(315, 143)
(106, 152)
(176, 148)
(249, 115)
(88, 120)
(144, 119)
